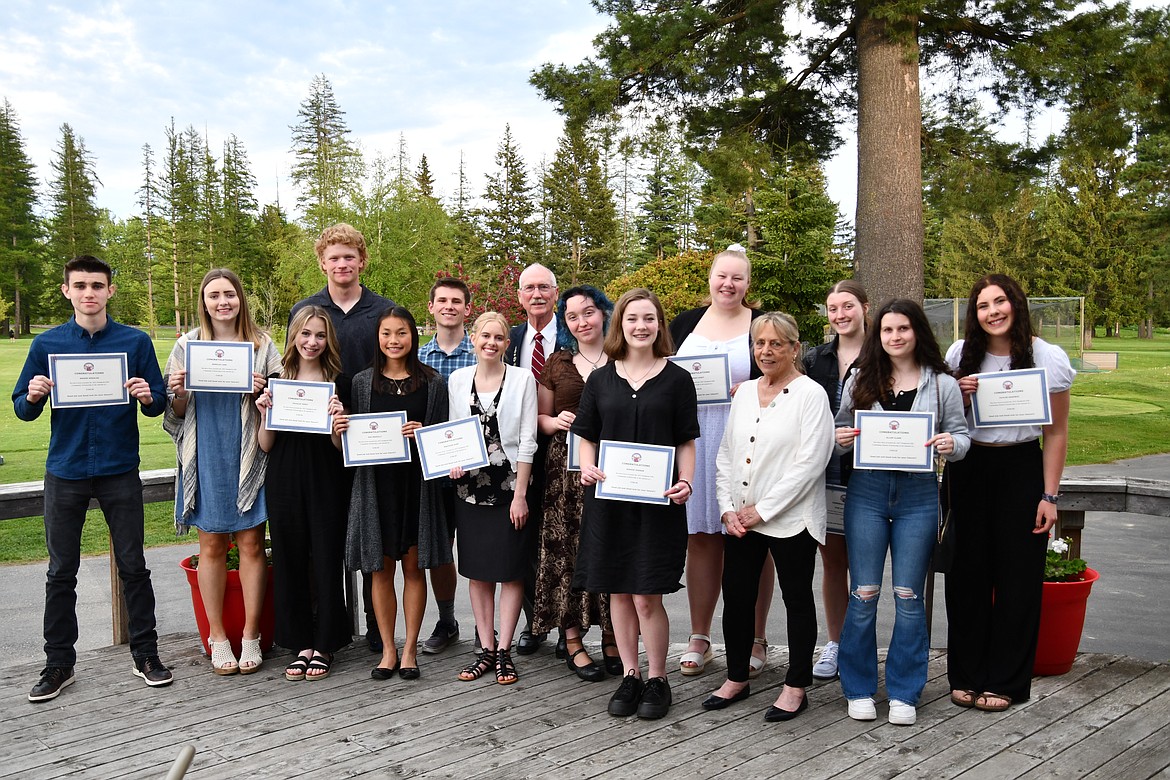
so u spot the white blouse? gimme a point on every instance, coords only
(775, 456)
(517, 410)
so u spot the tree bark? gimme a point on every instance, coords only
(888, 254)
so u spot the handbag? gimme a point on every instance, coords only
(944, 546)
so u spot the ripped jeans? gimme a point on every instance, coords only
(895, 511)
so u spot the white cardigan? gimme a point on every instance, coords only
(774, 457)
(517, 411)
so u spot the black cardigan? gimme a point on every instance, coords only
(820, 363)
(682, 326)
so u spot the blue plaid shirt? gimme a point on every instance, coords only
(461, 357)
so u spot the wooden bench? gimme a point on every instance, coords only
(1102, 361)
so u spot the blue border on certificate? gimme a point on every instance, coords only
(1044, 420)
(480, 462)
(246, 346)
(600, 490)
(927, 462)
(376, 460)
(719, 356)
(63, 357)
(573, 455)
(326, 425)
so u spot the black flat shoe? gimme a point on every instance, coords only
(383, 672)
(529, 643)
(590, 672)
(409, 673)
(562, 649)
(777, 715)
(714, 702)
(613, 663)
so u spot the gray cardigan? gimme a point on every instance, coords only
(950, 419)
(363, 538)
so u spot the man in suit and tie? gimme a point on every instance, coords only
(530, 343)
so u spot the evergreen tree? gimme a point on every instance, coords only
(73, 214)
(19, 230)
(424, 180)
(581, 217)
(508, 218)
(467, 242)
(237, 218)
(148, 200)
(328, 164)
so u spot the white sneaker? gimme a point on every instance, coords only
(863, 709)
(826, 667)
(901, 713)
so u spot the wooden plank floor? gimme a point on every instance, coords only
(1108, 718)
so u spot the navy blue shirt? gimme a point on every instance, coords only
(93, 441)
(357, 329)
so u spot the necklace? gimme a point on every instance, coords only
(593, 363)
(399, 384)
(640, 379)
(1002, 362)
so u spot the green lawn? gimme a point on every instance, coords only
(1115, 415)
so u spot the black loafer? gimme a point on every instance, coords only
(409, 673)
(714, 702)
(529, 643)
(777, 715)
(383, 672)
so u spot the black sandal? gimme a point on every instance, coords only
(296, 670)
(505, 669)
(320, 663)
(485, 661)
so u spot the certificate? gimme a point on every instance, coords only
(711, 375)
(573, 461)
(835, 509)
(219, 366)
(1012, 398)
(299, 406)
(635, 472)
(444, 446)
(375, 438)
(893, 441)
(97, 379)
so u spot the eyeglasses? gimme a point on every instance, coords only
(528, 289)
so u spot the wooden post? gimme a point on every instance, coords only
(120, 624)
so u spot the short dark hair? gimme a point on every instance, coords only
(88, 264)
(451, 281)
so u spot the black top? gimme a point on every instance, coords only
(683, 324)
(820, 363)
(357, 329)
(663, 411)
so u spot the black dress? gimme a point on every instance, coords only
(399, 483)
(628, 547)
(307, 490)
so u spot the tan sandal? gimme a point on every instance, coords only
(756, 665)
(223, 660)
(983, 702)
(697, 661)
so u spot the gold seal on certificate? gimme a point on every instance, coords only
(97, 379)
(711, 375)
(1012, 398)
(299, 406)
(375, 438)
(893, 441)
(444, 446)
(219, 366)
(635, 472)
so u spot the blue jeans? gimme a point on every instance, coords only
(120, 499)
(898, 511)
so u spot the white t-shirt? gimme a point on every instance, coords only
(1044, 355)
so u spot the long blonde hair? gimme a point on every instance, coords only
(331, 356)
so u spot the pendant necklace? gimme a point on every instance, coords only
(399, 384)
(593, 363)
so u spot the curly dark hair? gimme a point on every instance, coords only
(975, 338)
(875, 372)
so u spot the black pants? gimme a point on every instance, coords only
(994, 586)
(743, 560)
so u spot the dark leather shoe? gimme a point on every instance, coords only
(590, 672)
(562, 648)
(624, 701)
(777, 715)
(656, 699)
(529, 643)
(384, 672)
(714, 702)
(409, 673)
(54, 678)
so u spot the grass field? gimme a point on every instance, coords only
(1115, 415)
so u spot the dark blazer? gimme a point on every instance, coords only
(683, 324)
(515, 339)
(820, 363)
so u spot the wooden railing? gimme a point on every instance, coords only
(1079, 495)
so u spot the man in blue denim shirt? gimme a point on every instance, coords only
(93, 454)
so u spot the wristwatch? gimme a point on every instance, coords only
(1051, 498)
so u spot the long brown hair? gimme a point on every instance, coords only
(875, 371)
(246, 327)
(330, 357)
(975, 338)
(615, 340)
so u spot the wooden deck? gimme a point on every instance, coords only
(1108, 718)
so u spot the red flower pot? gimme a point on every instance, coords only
(233, 609)
(1062, 618)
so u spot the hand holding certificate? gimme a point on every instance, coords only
(219, 366)
(1012, 398)
(299, 406)
(634, 472)
(97, 379)
(375, 438)
(455, 444)
(894, 441)
(711, 375)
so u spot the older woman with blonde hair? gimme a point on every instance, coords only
(771, 490)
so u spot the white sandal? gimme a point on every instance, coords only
(223, 660)
(756, 665)
(250, 656)
(697, 660)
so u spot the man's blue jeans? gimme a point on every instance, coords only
(66, 501)
(895, 511)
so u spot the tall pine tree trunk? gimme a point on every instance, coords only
(888, 251)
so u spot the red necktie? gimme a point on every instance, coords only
(538, 356)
